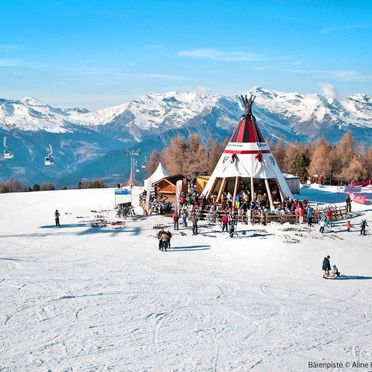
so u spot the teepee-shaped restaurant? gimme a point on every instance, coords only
(248, 165)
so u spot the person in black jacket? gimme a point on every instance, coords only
(326, 266)
(363, 226)
(348, 204)
(56, 215)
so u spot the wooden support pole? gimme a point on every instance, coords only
(223, 183)
(269, 193)
(252, 189)
(280, 191)
(235, 190)
(212, 188)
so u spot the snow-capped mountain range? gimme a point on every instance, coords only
(81, 138)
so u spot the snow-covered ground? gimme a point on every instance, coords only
(87, 299)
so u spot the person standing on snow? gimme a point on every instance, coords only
(348, 226)
(175, 221)
(184, 217)
(301, 214)
(231, 225)
(165, 240)
(309, 215)
(348, 204)
(326, 267)
(363, 226)
(224, 220)
(160, 233)
(56, 217)
(194, 220)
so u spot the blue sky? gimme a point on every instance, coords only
(99, 53)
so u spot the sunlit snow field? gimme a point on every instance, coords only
(84, 299)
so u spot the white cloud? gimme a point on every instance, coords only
(221, 55)
(329, 91)
(327, 30)
(347, 75)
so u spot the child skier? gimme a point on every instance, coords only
(348, 226)
(322, 225)
(335, 271)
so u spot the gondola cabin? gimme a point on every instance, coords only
(8, 154)
(48, 160)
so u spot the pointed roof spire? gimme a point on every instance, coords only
(247, 130)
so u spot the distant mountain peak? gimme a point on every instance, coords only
(31, 101)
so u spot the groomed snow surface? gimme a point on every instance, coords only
(88, 299)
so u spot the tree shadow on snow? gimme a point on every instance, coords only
(15, 259)
(96, 230)
(354, 277)
(189, 248)
(92, 230)
(64, 225)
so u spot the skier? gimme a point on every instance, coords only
(224, 220)
(348, 226)
(194, 220)
(363, 226)
(348, 204)
(322, 225)
(335, 271)
(56, 215)
(326, 267)
(309, 215)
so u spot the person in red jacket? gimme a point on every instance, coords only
(301, 214)
(329, 216)
(175, 221)
(348, 226)
(224, 220)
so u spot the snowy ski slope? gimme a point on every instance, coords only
(86, 299)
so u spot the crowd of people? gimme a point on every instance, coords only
(244, 208)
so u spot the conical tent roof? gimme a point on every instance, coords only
(159, 174)
(247, 155)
